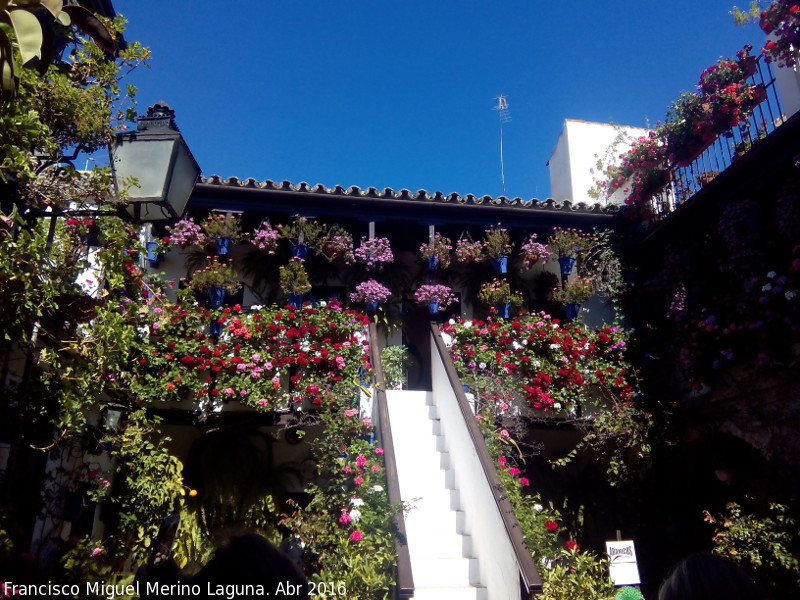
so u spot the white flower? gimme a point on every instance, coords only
(377, 488)
(790, 295)
(766, 288)
(467, 324)
(538, 507)
(554, 346)
(355, 514)
(482, 365)
(256, 307)
(556, 405)
(356, 502)
(771, 275)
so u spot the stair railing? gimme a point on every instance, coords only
(405, 579)
(531, 581)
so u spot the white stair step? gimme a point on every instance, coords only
(472, 592)
(437, 522)
(444, 572)
(445, 545)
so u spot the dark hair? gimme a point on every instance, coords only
(252, 559)
(709, 577)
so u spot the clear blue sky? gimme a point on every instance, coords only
(400, 93)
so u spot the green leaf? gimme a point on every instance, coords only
(54, 6)
(28, 32)
(8, 84)
(93, 27)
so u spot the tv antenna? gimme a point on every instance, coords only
(504, 117)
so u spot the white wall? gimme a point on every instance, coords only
(573, 163)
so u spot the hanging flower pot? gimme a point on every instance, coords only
(216, 296)
(372, 306)
(296, 299)
(566, 263)
(433, 263)
(433, 307)
(223, 245)
(571, 310)
(503, 309)
(500, 264)
(747, 65)
(153, 256)
(299, 251)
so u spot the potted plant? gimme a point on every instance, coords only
(223, 229)
(185, 233)
(531, 252)
(468, 251)
(266, 238)
(215, 281)
(302, 234)
(338, 243)
(566, 244)
(395, 361)
(374, 251)
(371, 293)
(575, 292)
(436, 251)
(781, 21)
(498, 293)
(437, 296)
(497, 245)
(294, 281)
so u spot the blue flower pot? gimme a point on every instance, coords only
(296, 299)
(216, 296)
(566, 263)
(500, 264)
(571, 310)
(433, 263)
(503, 310)
(372, 306)
(299, 251)
(433, 307)
(223, 245)
(216, 327)
(152, 255)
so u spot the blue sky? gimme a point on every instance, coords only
(400, 93)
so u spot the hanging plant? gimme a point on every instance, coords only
(266, 238)
(532, 252)
(497, 242)
(468, 251)
(437, 251)
(374, 251)
(338, 244)
(293, 278)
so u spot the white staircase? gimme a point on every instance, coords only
(442, 562)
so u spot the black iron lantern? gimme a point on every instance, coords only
(157, 156)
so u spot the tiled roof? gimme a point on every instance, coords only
(422, 196)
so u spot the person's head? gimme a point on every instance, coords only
(709, 577)
(252, 559)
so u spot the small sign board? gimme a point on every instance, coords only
(623, 569)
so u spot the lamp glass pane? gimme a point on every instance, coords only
(146, 160)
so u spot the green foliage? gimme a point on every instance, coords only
(395, 360)
(765, 543)
(577, 575)
(89, 561)
(347, 529)
(568, 573)
(293, 278)
(149, 483)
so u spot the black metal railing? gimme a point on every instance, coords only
(728, 147)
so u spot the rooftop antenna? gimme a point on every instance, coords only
(504, 117)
